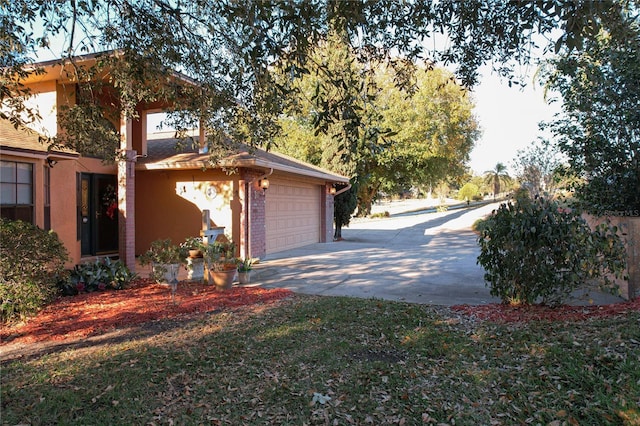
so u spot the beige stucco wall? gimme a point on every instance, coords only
(43, 100)
(169, 204)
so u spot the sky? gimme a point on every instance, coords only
(509, 118)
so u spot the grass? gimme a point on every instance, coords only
(313, 360)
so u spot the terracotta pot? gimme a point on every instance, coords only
(195, 254)
(223, 279)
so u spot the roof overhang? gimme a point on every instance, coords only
(257, 160)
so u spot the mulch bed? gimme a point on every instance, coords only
(90, 314)
(504, 313)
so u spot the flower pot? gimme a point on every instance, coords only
(195, 254)
(244, 277)
(223, 279)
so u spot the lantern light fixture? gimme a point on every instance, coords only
(263, 184)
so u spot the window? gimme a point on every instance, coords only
(16, 191)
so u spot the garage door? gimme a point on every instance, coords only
(292, 215)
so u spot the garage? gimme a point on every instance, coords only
(292, 215)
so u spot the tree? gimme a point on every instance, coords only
(468, 191)
(343, 207)
(401, 141)
(497, 177)
(537, 167)
(232, 49)
(599, 128)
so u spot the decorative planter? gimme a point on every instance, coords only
(223, 279)
(195, 269)
(165, 272)
(195, 254)
(244, 277)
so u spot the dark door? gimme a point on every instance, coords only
(98, 214)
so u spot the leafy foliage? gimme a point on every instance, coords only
(344, 205)
(534, 251)
(497, 177)
(102, 274)
(599, 129)
(164, 251)
(31, 260)
(387, 139)
(233, 49)
(538, 167)
(468, 192)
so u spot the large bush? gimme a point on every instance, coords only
(533, 251)
(31, 261)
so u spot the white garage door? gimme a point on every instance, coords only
(292, 215)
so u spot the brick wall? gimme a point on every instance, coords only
(253, 242)
(326, 219)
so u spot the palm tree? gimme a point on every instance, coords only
(497, 176)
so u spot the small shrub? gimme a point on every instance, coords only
(380, 215)
(31, 262)
(480, 224)
(534, 251)
(442, 208)
(100, 275)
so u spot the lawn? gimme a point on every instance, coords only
(304, 360)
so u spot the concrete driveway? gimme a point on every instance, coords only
(427, 258)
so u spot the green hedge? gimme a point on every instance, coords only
(31, 262)
(534, 251)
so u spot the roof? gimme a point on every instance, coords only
(24, 141)
(63, 69)
(162, 154)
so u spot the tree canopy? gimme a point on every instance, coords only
(233, 48)
(599, 126)
(537, 167)
(498, 176)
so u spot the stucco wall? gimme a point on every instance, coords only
(169, 204)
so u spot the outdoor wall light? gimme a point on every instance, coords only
(51, 162)
(332, 190)
(263, 184)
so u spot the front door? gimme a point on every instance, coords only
(98, 214)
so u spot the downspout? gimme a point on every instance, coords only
(345, 189)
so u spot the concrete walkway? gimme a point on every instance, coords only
(417, 257)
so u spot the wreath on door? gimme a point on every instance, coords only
(110, 201)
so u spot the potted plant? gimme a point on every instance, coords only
(222, 263)
(244, 270)
(193, 246)
(165, 259)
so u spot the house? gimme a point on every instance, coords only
(154, 191)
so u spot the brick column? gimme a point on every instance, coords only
(126, 207)
(257, 221)
(126, 196)
(326, 214)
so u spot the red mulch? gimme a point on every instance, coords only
(504, 313)
(89, 314)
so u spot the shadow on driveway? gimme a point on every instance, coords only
(419, 257)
